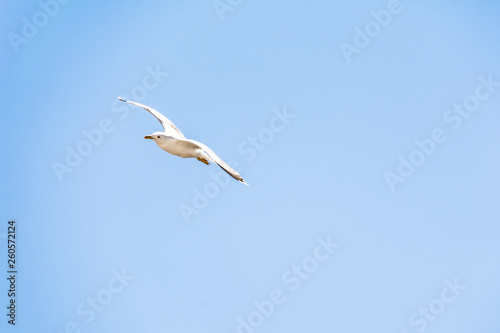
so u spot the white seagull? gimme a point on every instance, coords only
(174, 142)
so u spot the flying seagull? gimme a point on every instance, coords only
(174, 142)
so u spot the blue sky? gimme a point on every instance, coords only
(125, 237)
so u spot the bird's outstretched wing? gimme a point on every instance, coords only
(219, 161)
(168, 126)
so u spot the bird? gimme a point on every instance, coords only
(174, 142)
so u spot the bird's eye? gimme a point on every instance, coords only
(158, 136)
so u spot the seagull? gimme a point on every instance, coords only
(174, 142)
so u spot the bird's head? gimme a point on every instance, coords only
(156, 136)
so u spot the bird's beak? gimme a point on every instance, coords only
(148, 137)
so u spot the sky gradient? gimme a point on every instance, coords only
(367, 130)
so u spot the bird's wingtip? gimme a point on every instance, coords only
(243, 182)
(121, 99)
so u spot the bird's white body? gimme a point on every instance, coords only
(174, 142)
(180, 148)
(171, 146)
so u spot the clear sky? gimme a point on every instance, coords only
(367, 130)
